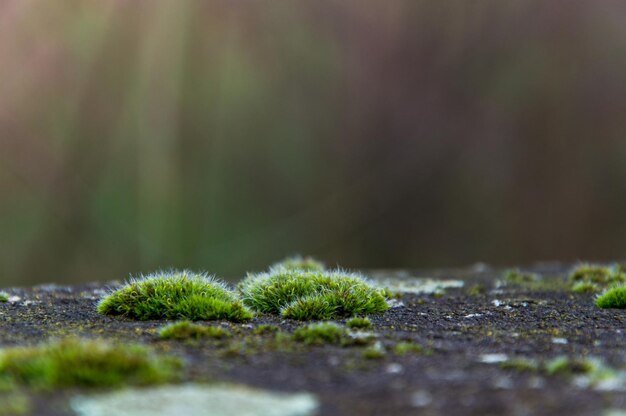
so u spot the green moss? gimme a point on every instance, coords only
(320, 333)
(15, 403)
(404, 348)
(373, 353)
(186, 330)
(585, 287)
(4, 297)
(518, 277)
(569, 366)
(175, 295)
(614, 297)
(300, 263)
(305, 295)
(477, 290)
(359, 323)
(600, 275)
(85, 363)
(265, 329)
(521, 365)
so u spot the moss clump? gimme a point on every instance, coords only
(307, 263)
(4, 297)
(516, 276)
(569, 366)
(265, 329)
(598, 276)
(85, 363)
(15, 403)
(521, 365)
(614, 297)
(404, 348)
(305, 295)
(186, 330)
(374, 353)
(175, 295)
(359, 323)
(320, 333)
(585, 287)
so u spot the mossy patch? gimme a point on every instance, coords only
(359, 323)
(568, 366)
(521, 365)
(4, 297)
(306, 263)
(404, 348)
(375, 352)
(614, 297)
(265, 329)
(320, 333)
(305, 295)
(175, 295)
(189, 330)
(594, 278)
(517, 276)
(74, 362)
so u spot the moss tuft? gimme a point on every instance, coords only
(518, 277)
(265, 329)
(600, 275)
(614, 297)
(359, 323)
(85, 363)
(569, 366)
(4, 297)
(306, 263)
(320, 333)
(585, 287)
(404, 348)
(175, 295)
(374, 353)
(186, 330)
(304, 295)
(521, 365)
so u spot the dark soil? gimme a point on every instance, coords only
(532, 321)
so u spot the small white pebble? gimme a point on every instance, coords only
(504, 383)
(395, 303)
(559, 341)
(421, 398)
(14, 299)
(493, 358)
(496, 302)
(394, 368)
(334, 361)
(474, 315)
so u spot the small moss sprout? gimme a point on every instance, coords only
(306, 263)
(320, 333)
(188, 330)
(594, 278)
(359, 323)
(175, 295)
(4, 297)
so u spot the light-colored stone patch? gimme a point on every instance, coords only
(196, 399)
(493, 358)
(411, 284)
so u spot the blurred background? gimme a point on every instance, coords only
(225, 135)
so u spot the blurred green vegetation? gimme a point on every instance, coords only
(222, 136)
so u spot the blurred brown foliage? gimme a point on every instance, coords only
(222, 135)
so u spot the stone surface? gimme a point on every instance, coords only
(195, 400)
(468, 330)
